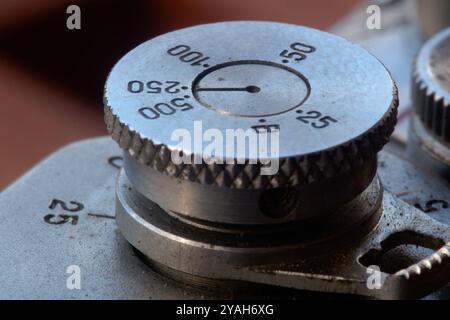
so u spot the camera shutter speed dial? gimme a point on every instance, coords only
(333, 104)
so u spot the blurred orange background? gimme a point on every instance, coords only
(51, 78)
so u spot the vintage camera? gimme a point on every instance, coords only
(245, 161)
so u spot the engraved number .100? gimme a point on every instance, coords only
(185, 54)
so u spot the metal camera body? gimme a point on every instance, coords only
(335, 212)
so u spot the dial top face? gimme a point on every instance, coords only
(317, 90)
(440, 63)
(433, 64)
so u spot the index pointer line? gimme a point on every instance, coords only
(250, 89)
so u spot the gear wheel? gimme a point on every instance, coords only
(431, 86)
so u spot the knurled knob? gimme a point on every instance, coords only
(332, 103)
(431, 86)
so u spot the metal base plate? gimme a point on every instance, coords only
(61, 213)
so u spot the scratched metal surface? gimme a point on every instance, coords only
(34, 254)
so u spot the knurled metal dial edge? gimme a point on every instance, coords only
(304, 169)
(432, 109)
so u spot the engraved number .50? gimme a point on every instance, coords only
(298, 51)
